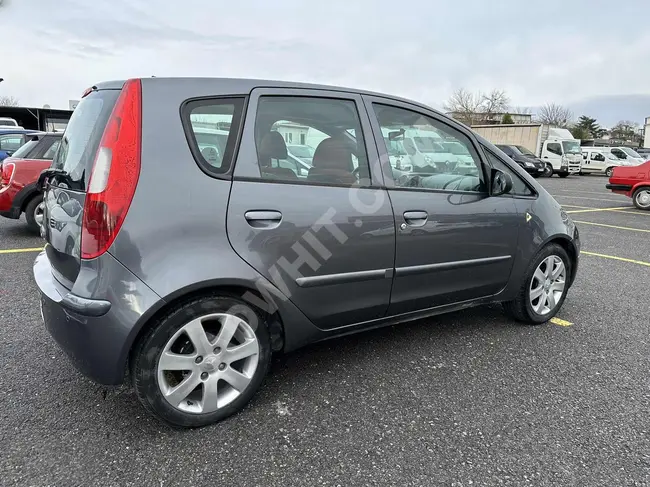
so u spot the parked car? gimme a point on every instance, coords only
(633, 182)
(303, 152)
(18, 193)
(191, 293)
(531, 164)
(8, 122)
(12, 139)
(630, 156)
(644, 152)
(599, 160)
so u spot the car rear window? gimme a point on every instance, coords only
(82, 136)
(25, 149)
(212, 127)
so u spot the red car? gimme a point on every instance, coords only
(18, 176)
(633, 182)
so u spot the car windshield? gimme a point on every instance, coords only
(25, 149)
(524, 151)
(456, 148)
(428, 145)
(631, 152)
(571, 147)
(301, 151)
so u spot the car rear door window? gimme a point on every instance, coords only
(330, 133)
(212, 128)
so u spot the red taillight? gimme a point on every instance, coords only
(7, 173)
(115, 173)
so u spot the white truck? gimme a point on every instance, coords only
(554, 146)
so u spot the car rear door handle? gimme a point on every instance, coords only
(415, 218)
(263, 219)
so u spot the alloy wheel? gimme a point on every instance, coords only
(208, 363)
(642, 198)
(547, 285)
(38, 214)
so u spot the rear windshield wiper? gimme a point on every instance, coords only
(51, 174)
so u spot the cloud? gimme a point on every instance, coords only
(419, 49)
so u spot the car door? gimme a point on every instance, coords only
(552, 152)
(597, 161)
(327, 241)
(454, 241)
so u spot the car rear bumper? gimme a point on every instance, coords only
(7, 209)
(96, 334)
(619, 187)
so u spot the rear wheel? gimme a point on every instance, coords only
(544, 287)
(548, 171)
(34, 214)
(641, 198)
(609, 171)
(202, 362)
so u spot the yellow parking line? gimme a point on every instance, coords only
(613, 257)
(559, 322)
(581, 207)
(18, 251)
(614, 226)
(584, 197)
(599, 209)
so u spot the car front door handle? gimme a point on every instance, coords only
(263, 219)
(416, 218)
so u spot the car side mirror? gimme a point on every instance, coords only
(501, 183)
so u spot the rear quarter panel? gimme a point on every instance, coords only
(174, 236)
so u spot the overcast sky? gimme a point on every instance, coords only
(551, 50)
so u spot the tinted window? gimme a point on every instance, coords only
(597, 156)
(51, 151)
(432, 155)
(213, 129)
(519, 187)
(331, 130)
(83, 135)
(555, 148)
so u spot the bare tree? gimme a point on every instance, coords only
(464, 105)
(496, 101)
(556, 115)
(472, 108)
(8, 101)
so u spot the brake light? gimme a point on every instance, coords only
(7, 173)
(115, 173)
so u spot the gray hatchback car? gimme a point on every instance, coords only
(184, 246)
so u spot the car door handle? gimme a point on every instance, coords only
(263, 219)
(416, 218)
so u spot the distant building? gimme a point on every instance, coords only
(646, 133)
(490, 118)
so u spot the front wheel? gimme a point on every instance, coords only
(34, 214)
(563, 174)
(201, 362)
(544, 288)
(641, 198)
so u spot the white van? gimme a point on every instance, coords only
(628, 155)
(8, 122)
(599, 160)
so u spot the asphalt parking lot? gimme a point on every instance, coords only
(470, 398)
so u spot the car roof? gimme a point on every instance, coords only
(246, 85)
(18, 130)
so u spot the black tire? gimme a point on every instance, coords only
(563, 174)
(30, 214)
(635, 197)
(548, 171)
(146, 354)
(609, 171)
(520, 308)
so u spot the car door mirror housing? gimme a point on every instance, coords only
(501, 183)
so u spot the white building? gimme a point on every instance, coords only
(646, 132)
